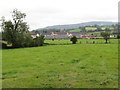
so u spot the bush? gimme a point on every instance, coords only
(105, 35)
(118, 36)
(39, 41)
(73, 39)
(28, 40)
(3, 45)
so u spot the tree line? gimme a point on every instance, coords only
(16, 32)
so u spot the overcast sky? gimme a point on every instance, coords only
(42, 13)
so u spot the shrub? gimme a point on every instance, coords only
(73, 39)
(3, 45)
(39, 41)
(105, 35)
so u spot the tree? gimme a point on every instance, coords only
(28, 40)
(99, 29)
(83, 29)
(118, 36)
(73, 39)
(3, 45)
(39, 41)
(107, 29)
(106, 35)
(15, 29)
(95, 25)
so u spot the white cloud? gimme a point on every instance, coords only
(41, 13)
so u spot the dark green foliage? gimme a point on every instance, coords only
(118, 36)
(83, 29)
(106, 36)
(13, 32)
(73, 39)
(3, 45)
(16, 32)
(27, 40)
(39, 41)
(107, 29)
(99, 29)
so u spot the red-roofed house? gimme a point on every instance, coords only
(83, 35)
(91, 37)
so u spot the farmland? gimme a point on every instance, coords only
(62, 65)
(91, 28)
(75, 30)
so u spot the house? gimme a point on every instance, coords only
(46, 34)
(83, 35)
(73, 33)
(69, 34)
(91, 37)
(77, 34)
(58, 35)
(55, 33)
(34, 35)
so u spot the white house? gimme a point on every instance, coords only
(34, 35)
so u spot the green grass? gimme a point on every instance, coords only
(75, 30)
(62, 66)
(94, 28)
(111, 28)
(90, 28)
(82, 41)
(95, 33)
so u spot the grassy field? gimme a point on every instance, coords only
(62, 66)
(75, 30)
(90, 28)
(82, 41)
(87, 28)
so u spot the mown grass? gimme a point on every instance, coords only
(61, 66)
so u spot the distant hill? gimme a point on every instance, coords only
(74, 26)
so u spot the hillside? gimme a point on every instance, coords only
(74, 26)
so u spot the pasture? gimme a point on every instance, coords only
(75, 30)
(91, 28)
(63, 65)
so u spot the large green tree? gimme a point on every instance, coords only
(14, 30)
(106, 36)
